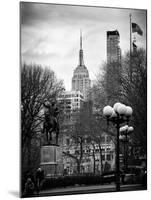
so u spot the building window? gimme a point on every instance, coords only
(67, 141)
(108, 139)
(108, 148)
(76, 152)
(103, 139)
(102, 149)
(89, 150)
(103, 157)
(108, 157)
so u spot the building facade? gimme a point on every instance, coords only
(80, 80)
(92, 158)
(113, 48)
(70, 102)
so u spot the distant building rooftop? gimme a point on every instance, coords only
(112, 33)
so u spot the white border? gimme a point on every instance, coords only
(9, 101)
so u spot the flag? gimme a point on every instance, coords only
(134, 47)
(137, 29)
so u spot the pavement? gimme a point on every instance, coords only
(89, 189)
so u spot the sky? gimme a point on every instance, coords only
(50, 35)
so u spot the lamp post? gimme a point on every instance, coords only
(125, 131)
(118, 114)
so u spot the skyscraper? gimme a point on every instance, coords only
(80, 80)
(113, 49)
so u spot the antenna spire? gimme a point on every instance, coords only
(81, 61)
(80, 39)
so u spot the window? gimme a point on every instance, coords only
(103, 157)
(108, 157)
(108, 148)
(102, 149)
(108, 139)
(76, 151)
(102, 139)
(67, 141)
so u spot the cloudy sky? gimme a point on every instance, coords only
(50, 35)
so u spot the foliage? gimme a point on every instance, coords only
(126, 83)
(37, 86)
(79, 133)
(134, 93)
(81, 179)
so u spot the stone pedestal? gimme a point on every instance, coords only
(51, 160)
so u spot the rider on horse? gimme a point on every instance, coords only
(51, 118)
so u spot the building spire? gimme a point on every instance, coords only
(81, 61)
(80, 39)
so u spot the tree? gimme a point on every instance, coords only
(79, 134)
(86, 134)
(134, 93)
(107, 87)
(107, 91)
(37, 86)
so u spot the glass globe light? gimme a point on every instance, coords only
(113, 114)
(124, 128)
(121, 137)
(130, 129)
(107, 111)
(121, 129)
(121, 109)
(116, 105)
(129, 111)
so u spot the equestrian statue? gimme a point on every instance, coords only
(51, 124)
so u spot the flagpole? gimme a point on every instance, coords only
(130, 46)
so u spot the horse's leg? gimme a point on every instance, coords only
(56, 137)
(47, 135)
(50, 134)
(57, 134)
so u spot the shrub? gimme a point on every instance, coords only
(72, 180)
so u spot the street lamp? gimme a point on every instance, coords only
(125, 131)
(118, 114)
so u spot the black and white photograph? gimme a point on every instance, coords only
(83, 99)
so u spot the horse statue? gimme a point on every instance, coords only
(51, 124)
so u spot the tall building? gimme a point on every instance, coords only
(80, 80)
(71, 102)
(113, 49)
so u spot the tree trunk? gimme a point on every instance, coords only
(29, 154)
(93, 154)
(101, 163)
(78, 167)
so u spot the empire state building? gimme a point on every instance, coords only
(80, 80)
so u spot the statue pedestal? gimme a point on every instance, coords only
(51, 160)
